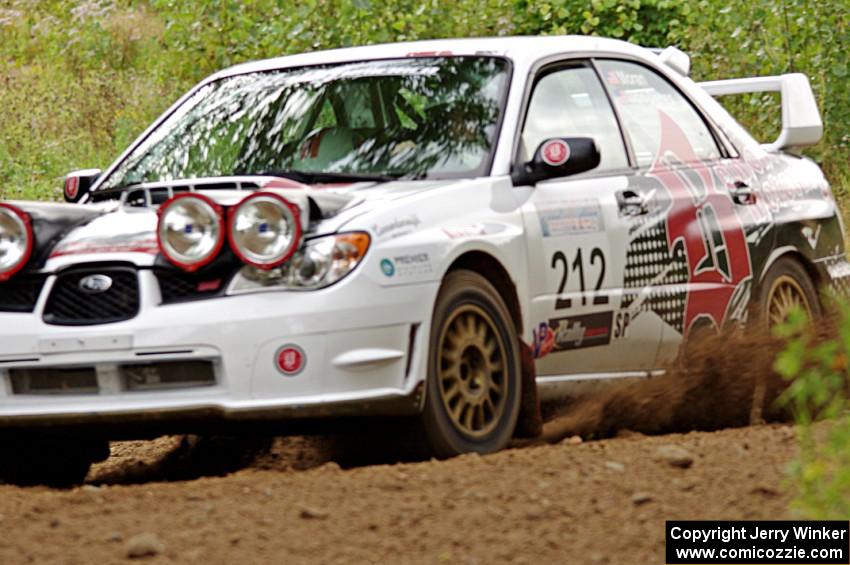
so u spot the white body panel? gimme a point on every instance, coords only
(364, 339)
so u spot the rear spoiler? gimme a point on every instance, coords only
(674, 58)
(801, 121)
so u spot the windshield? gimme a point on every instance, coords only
(434, 117)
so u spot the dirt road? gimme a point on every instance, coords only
(593, 502)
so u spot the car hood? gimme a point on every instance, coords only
(108, 231)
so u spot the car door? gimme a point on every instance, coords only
(688, 262)
(577, 235)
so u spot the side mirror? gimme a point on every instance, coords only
(78, 183)
(559, 157)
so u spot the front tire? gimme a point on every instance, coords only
(474, 377)
(55, 462)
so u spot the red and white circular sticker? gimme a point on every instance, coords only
(72, 186)
(290, 360)
(555, 152)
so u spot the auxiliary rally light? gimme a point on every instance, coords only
(264, 230)
(16, 240)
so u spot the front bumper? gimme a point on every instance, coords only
(363, 353)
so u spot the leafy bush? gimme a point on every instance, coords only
(81, 78)
(762, 37)
(820, 381)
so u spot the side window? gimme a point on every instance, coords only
(643, 98)
(570, 102)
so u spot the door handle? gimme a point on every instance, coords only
(742, 193)
(633, 203)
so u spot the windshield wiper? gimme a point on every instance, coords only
(310, 177)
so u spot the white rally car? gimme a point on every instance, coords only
(443, 231)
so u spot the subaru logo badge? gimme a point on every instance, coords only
(95, 284)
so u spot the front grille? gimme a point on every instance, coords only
(21, 293)
(80, 380)
(165, 375)
(70, 305)
(134, 377)
(179, 286)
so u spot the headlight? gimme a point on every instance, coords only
(265, 230)
(16, 240)
(320, 263)
(190, 230)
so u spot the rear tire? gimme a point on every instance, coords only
(786, 286)
(474, 371)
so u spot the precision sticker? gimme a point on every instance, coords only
(290, 360)
(387, 267)
(412, 264)
(570, 218)
(555, 152)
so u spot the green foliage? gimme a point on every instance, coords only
(820, 381)
(762, 37)
(80, 79)
(653, 23)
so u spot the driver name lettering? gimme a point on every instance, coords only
(398, 227)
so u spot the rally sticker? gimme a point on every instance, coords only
(555, 152)
(72, 187)
(570, 218)
(290, 360)
(577, 332)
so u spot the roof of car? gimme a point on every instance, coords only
(517, 48)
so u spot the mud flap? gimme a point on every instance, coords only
(530, 422)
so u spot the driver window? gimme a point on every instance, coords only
(571, 103)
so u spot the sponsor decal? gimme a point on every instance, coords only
(573, 332)
(555, 152)
(72, 187)
(209, 286)
(290, 360)
(95, 284)
(625, 79)
(570, 218)
(838, 269)
(125, 244)
(409, 265)
(387, 267)
(459, 232)
(544, 340)
(398, 227)
(429, 54)
(812, 236)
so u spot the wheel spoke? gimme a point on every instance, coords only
(468, 416)
(457, 411)
(450, 393)
(488, 408)
(479, 420)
